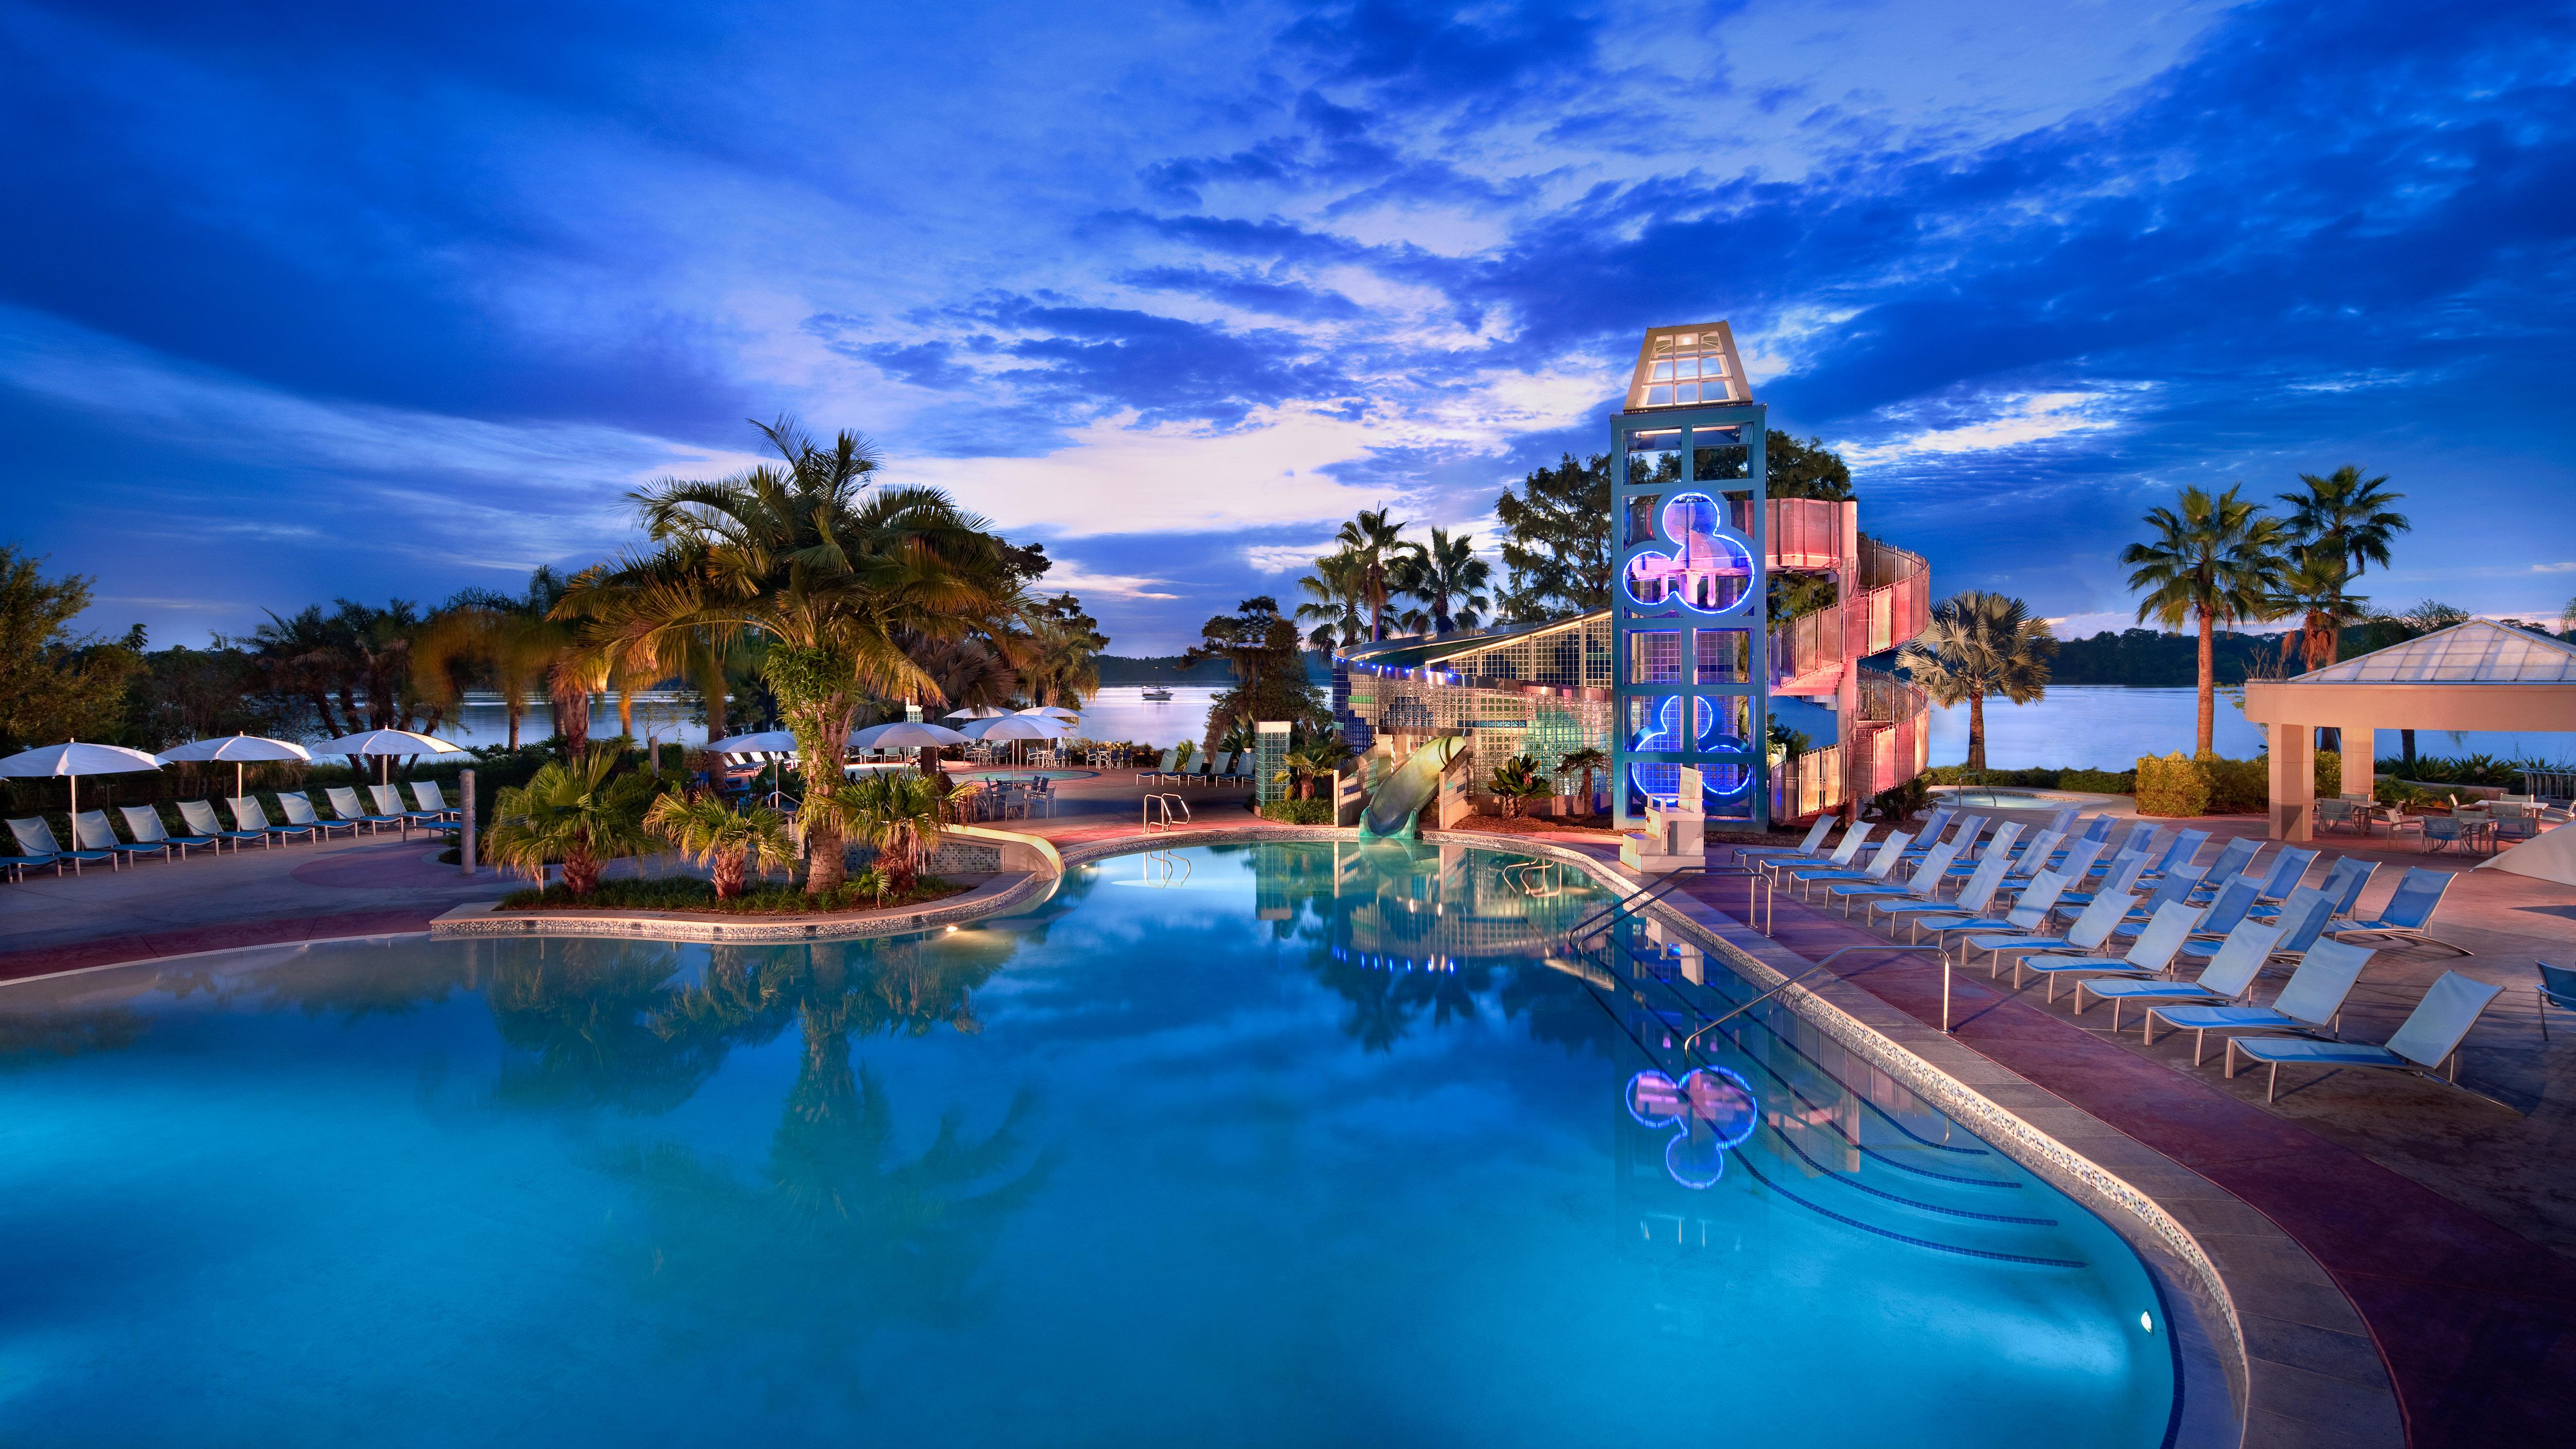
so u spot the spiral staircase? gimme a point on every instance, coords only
(1885, 600)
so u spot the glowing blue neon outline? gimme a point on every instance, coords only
(1664, 532)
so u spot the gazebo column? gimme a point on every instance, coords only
(2360, 757)
(2294, 782)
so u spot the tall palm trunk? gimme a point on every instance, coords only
(572, 715)
(1977, 731)
(2208, 728)
(712, 686)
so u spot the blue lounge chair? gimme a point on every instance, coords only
(1974, 893)
(2228, 976)
(299, 811)
(2178, 852)
(433, 801)
(2092, 927)
(2174, 889)
(2557, 988)
(91, 830)
(2288, 869)
(1998, 846)
(344, 803)
(1815, 837)
(2234, 905)
(37, 846)
(2311, 1005)
(1844, 853)
(249, 816)
(2150, 955)
(2233, 859)
(144, 823)
(202, 822)
(2408, 913)
(2120, 877)
(1921, 885)
(2427, 1044)
(2028, 916)
(1881, 865)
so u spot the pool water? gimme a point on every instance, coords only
(1025, 775)
(1971, 798)
(1287, 1144)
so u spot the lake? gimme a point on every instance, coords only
(2107, 727)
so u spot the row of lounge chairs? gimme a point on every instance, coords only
(1233, 768)
(2122, 919)
(95, 838)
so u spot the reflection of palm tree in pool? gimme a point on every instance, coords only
(29, 1037)
(837, 1234)
(596, 1023)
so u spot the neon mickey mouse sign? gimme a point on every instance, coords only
(1711, 1110)
(1709, 571)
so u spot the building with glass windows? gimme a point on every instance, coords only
(1688, 665)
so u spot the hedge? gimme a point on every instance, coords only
(1299, 812)
(2100, 782)
(2202, 785)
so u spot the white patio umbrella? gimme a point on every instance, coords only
(1015, 727)
(239, 750)
(904, 734)
(760, 742)
(74, 760)
(1052, 711)
(385, 744)
(981, 711)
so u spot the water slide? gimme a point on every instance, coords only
(1394, 808)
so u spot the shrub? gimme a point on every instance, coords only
(2205, 785)
(2329, 774)
(2100, 782)
(1299, 812)
(1901, 800)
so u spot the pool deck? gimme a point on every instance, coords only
(2425, 1228)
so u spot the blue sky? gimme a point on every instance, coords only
(302, 301)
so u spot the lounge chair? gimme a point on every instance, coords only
(2120, 876)
(1162, 769)
(2030, 855)
(2408, 912)
(1998, 846)
(2288, 869)
(2092, 927)
(299, 811)
(2347, 896)
(1815, 837)
(389, 803)
(2557, 988)
(248, 816)
(2311, 1005)
(2150, 955)
(91, 830)
(1934, 824)
(1971, 900)
(1930, 834)
(2178, 852)
(2029, 915)
(202, 820)
(344, 803)
(1844, 852)
(1891, 851)
(432, 801)
(2427, 1044)
(2233, 859)
(37, 846)
(1920, 886)
(2174, 889)
(2228, 976)
(144, 824)
(2234, 905)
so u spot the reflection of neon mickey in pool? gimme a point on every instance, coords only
(1710, 572)
(1710, 1111)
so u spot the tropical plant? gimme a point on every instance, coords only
(835, 575)
(2217, 560)
(2343, 517)
(352, 667)
(1063, 665)
(1517, 781)
(2313, 589)
(1586, 762)
(1335, 592)
(512, 646)
(729, 843)
(896, 811)
(1448, 579)
(1980, 644)
(1319, 754)
(54, 684)
(1556, 539)
(1375, 538)
(579, 813)
(1269, 669)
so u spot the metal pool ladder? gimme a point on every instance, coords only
(1162, 806)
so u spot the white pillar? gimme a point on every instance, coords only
(2294, 782)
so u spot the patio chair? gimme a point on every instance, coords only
(2228, 976)
(1842, 855)
(389, 804)
(1971, 901)
(2233, 859)
(1998, 846)
(2347, 813)
(2120, 875)
(2288, 869)
(1163, 770)
(37, 846)
(2443, 832)
(1815, 837)
(2092, 927)
(2063, 820)
(249, 816)
(2516, 822)
(1890, 851)
(1918, 886)
(200, 815)
(1938, 821)
(2235, 902)
(2029, 856)
(2408, 912)
(2557, 988)
(2150, 955)
(2427, 1043)
(344, 803)
(144, 823)
(91, 830)
(2174, 889)
(2311, 1005)
(2029, 915)
(2347, 893)
(300, 811)
(432, 800)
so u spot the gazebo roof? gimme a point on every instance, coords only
(2476, 652)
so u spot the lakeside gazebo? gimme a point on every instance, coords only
(2472, 676)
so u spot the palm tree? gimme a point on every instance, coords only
(2217, 561)
(2312, 587)
(1517, 781)
(1335, 592)
(1374, 537)
(514, 647)
(729, 843)
(1320, 754)
(1976, 645)
(898, 813)
(2346, 518)
(578, 812)
(836, 576)
(1586, 762)
(1442, 574)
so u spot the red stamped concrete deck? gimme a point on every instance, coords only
(2476, 1323)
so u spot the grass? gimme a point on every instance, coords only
(687, 893)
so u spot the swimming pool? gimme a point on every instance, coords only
(1290, 1144)
(1967, 796)
(1024, 774)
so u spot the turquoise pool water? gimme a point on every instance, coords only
(1278, 1145)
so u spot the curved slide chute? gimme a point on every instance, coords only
(1394, 808)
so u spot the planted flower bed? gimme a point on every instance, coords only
(687, 893)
